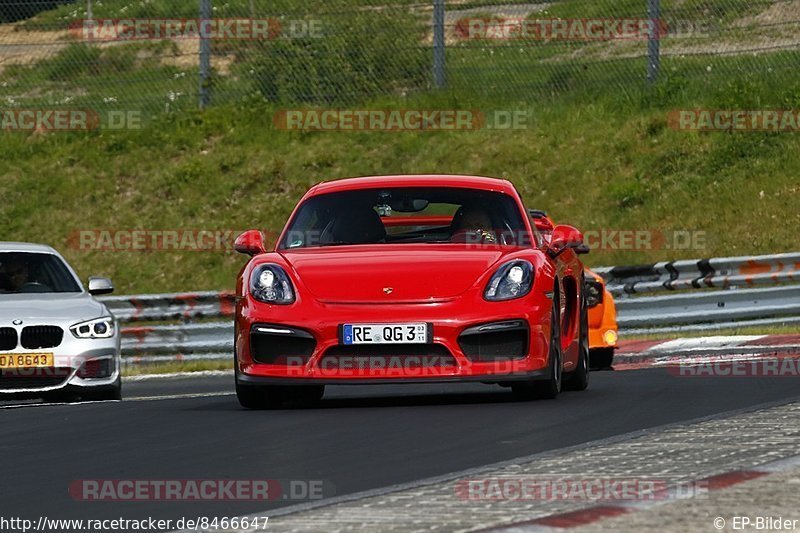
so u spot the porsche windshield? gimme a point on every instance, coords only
(406, 215)
(25, 272)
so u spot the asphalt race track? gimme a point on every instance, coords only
(359, 438)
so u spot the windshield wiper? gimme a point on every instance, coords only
(333, 243)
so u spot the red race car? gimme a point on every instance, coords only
(410, 279)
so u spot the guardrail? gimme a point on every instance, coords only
(713, 294)
(723, 273)
(751, 291)
(162, 307)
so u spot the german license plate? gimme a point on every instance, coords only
(416, 333)
(26, 360)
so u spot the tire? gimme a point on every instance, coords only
(578, 379)
(274, 396)
(600, 358)
(258, 397)
(261, 397)
(61, 397)
(255, 397)
(549, 388)
(112, 393)
(307, 395)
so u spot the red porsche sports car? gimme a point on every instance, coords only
(398, 279)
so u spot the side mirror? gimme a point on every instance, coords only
(98, 286)
(250, 243)
(582, 249)
(564, 238)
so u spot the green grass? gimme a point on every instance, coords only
(606, 163)
(597, 151)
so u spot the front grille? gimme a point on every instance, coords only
(38, 337)
(34, 378)
(495, 342)
(280, 345)
(388, 356)
(8, 338)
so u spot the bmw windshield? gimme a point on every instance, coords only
(26, 272)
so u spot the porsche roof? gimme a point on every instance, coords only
(423, 180)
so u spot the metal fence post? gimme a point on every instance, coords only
(205, 56)
(89, 14)
(439, 76)
(654, 41)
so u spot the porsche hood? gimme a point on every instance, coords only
(390, 275)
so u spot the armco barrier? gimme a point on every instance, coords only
(692, 308)
(733, 292)
(162, 307)
(748, 271)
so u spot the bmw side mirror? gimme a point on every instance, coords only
(250, 243)
(98, 286)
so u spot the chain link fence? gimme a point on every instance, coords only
(180, 54)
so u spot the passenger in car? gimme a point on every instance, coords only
(13, 275)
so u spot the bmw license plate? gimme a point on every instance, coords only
(417, 333)
(26, 360)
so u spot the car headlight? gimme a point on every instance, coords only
(512, 280)
(270, 284)
(99, 328)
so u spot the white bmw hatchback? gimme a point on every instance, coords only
(56, 340)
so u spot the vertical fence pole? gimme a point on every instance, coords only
(654, 41)
(205, 56)
(89, 14)
(439, 76)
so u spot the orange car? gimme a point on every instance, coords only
(603, 335)
(603, 329)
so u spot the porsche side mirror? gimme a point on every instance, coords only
(98, 286)
(583, 248)
(564, 238)
(250, 243)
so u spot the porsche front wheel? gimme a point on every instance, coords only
(274, 396)
(550, 387)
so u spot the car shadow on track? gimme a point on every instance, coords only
(362, 400)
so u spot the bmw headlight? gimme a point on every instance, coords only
(512, 280)
(99, 328)
(270, 284)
